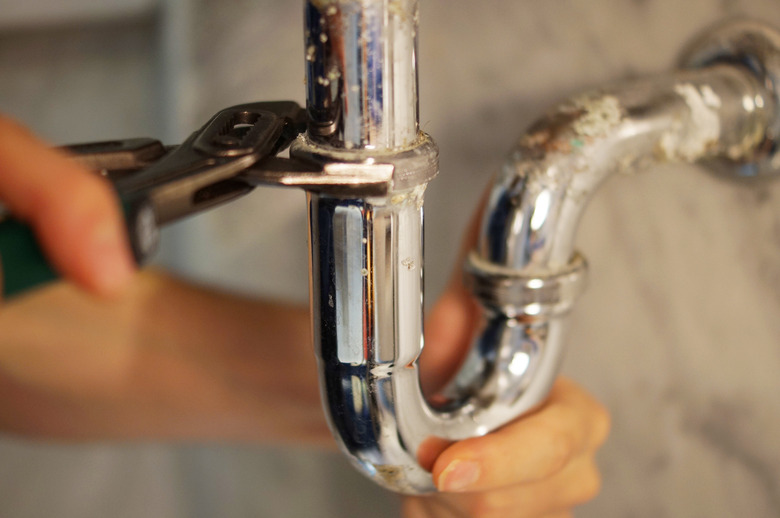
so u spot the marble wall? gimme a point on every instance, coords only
(678, 333)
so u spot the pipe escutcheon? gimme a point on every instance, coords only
(534, 295)
(754, 46)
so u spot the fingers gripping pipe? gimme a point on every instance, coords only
(366, 248)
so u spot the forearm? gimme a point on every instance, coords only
(166, 360)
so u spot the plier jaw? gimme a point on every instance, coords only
(159, 185)
(182, 180)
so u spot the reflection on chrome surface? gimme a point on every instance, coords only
(367, 251)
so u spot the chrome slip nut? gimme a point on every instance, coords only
(532, 294)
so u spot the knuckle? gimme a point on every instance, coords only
(481, 506)
(88, 187)
(588, 486)
(79, 208)
(91, 194)
(487, 505)
(561, 447)
(602, 424)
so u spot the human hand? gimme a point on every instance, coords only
(163, 359)
(540, 465)
(72, 211)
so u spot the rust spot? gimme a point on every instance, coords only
(390, 473)
(551, 135)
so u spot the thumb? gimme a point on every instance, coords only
(73, 212)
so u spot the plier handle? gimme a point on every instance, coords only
(158, 184)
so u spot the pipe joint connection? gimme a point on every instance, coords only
(528, 297)
(380, 172)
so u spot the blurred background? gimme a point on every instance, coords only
(678, 333)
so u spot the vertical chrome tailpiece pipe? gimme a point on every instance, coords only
(367, 249)
(366, 246)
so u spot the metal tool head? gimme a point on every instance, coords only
(202, 171)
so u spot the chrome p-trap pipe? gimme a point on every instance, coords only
(367, 247)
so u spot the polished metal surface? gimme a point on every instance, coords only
(360, 73)
(366, 304)
(529, 225)
(367, 251)
(725, 111)
(513, 293)
(753, 46)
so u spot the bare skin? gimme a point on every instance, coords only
(73, 212)
(541, 465)
(123, 356)
(165, 360)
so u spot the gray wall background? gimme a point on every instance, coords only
(678, 333)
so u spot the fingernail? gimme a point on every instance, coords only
(459, 475)
(112, 265)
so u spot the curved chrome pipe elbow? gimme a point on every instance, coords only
(721, 111)
(723, 108)
(366, 245)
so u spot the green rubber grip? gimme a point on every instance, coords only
(23, 265)
(22, 262)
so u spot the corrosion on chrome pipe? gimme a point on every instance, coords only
(367, 249)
